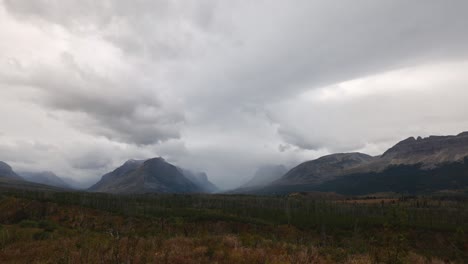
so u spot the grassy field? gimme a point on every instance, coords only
(54, 227)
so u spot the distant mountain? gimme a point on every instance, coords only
(7, 172)
(150, 176)
(10, 180)
(45, 177)
(412, 166)
(266, 175)
(78, 184)
(201, 180)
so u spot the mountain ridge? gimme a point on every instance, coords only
(432, 157)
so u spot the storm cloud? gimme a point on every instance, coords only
(224, 86)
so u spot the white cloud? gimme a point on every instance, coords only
(378, 110)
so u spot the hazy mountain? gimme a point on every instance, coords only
(150, 176)
(10, 180)
(7, 172)
(45, 177)
(266, 175)
(78, 184)
(421, 165)
(201, 180)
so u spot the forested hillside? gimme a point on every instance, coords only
(53, 227)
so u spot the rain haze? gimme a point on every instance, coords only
(224, 86)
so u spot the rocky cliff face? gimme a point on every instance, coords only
(429, 151)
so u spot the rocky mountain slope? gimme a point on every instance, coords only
(111, 180)
(150, 176)
(324, 168)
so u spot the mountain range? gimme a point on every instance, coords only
(413, 166)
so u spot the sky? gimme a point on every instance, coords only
(224, 86)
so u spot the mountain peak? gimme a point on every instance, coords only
(155, 160)
(154, 175)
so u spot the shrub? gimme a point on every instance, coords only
(48, 225)
(41, 235)
(28, 223)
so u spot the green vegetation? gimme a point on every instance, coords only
(74, 227)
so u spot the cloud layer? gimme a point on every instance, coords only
(224, 86)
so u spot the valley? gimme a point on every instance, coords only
(409, 205)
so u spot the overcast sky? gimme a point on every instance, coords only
(224, 86)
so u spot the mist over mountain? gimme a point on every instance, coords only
(45, 177)
(200, 179)
(265, 175)
(78, 184)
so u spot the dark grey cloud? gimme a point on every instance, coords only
(158, 29)
(305, 45)
(119, 107)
